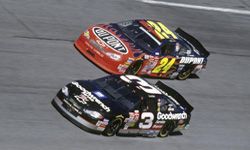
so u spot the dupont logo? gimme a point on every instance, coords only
(110, 40)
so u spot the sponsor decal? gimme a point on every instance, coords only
(160, 122)
(130, 60)
(157, 126)
(110, 40)
(96, 45)
(146, 56)
(90, 96)
(171, 116)
(149, 66)
(81, 98)
(131, 121)
(122, 68)
(193, 60)
(103, 123)
(101, 43)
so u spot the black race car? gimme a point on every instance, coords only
(123, 105)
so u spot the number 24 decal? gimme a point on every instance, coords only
(161, 30)
(164, 65)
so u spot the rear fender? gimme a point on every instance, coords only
(193, 41)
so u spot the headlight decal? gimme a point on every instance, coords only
(65, 91)
(86, 34)
(93, 114)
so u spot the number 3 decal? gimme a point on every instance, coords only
(164, 65)
(148, 122)
(145, 86)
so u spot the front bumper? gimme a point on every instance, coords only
(95, 56)
(77, 120)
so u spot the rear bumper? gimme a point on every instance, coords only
(95, 56)
(78, 121)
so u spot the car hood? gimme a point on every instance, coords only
(114, 41)
(98, 99)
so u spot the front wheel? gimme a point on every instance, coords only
(134, 68)
(113, 127)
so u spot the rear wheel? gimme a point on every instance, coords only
(166, 129)
(185, 73)
(113, 127)
(134, 68)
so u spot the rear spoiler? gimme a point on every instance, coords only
(193, 41)
(180, 99)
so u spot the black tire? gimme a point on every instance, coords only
(166, 129)
(113, 127)
(183, 75)
(134, 68)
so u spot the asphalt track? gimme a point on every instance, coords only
(37, 58)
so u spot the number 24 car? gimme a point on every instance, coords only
(144, 48)
(123, 105)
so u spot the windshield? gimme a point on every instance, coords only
(119, 90)
(174, 46)
(139, 36)
(148, 42)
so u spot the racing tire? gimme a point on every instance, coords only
(185, 74)
(134, 68)
(166, 129)
(113, 127)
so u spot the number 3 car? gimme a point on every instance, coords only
(144, 48)
(123, 105)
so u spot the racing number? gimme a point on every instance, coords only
(142, 84)
(148, 122)
(161, 30)
(164, 65)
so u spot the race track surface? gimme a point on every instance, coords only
(37, 58)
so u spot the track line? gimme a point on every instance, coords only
(218, 9)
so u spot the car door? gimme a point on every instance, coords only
(148, 114)
(141, 117)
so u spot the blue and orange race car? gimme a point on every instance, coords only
(144, 48)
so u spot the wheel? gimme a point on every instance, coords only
(183, 75)
(166, 129)
(113, 126)
(134, 68)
